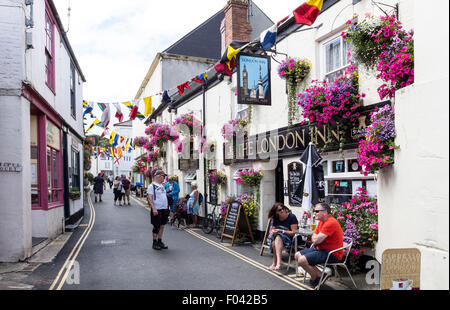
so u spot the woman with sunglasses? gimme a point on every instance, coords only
(284, 225)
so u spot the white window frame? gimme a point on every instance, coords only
(323, 59)
(237, 186)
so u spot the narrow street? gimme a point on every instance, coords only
(112, 251)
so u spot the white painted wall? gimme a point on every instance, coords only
(414, 193)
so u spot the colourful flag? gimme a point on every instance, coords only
(119, 114)
(111, 138)
(269, 37)
(106, 116)
(148, 106)
(92, 125)
(307, 13)
(134, 112)
(165, 97)
(182, 87)
(89, 107)
(202, 78)
(228, 60)
(116, 140)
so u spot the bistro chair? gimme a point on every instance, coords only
(295, 247)
(348, 242)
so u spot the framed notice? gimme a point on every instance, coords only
(400, 269)
(236, 221)
(254, 79)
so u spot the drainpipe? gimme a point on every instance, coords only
(205, 195)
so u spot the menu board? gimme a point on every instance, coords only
(213, 194)
(236, 220)
(295, 176)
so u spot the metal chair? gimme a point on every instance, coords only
(348, 242)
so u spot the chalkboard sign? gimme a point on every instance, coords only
(236, 220)
(213, 194)
(265, 243)
(295, 176)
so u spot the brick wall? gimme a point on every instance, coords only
(235, 26)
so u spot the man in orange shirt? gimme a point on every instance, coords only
(327, 237)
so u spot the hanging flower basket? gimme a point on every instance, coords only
(294, 71)
(140, 141)
(195, 126)
(376, 151)
(250, 177)
(217, 177)
(234, 128)
(381, 43)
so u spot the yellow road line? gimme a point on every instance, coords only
(71, 258)
(256, 264)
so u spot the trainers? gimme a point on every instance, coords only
(162, 245)
(156, 246)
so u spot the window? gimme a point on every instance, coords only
(75, 169)
(53, 179)
(334, 57)
(49, 52)
(72, 92)
(338, 166)
(241, 188)
(241, 110)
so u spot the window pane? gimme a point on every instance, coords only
(333, 55)
(338, 166)
(55, 170)
(49, 168)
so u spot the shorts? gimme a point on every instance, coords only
(127, 192)
(159, 220)
(317, 257)
(287, 241)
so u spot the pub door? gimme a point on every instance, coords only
(279, 182)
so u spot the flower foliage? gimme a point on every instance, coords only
(359, 221)
(294, 69)
(377, 149)
(382, 42)
(140, 141)
(217, 177)
(162, 134)
(139, 167)
(247, 201)
(234, 128)
(250, 177)
(329, 103)
(195, 126)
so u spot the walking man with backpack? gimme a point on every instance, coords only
(159, 214)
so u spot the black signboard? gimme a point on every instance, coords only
(266, 243)
(253, 79)
(236, 220)
(292, 141)
(295, 176)
(213, 194)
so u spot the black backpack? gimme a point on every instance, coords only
(200, 198)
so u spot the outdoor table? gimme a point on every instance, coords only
(304, 232)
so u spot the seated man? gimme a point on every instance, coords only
(327, 237)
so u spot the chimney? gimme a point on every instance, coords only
(235, 25)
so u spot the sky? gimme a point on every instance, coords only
(115, 41)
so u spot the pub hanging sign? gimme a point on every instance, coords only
(254, 85)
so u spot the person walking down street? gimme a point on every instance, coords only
(118, 190)
(327, 237)
(126, 187)
(284, 225)
(193, 203)
(99, 186)
(159, 214)
(172, 189)
(110, 181)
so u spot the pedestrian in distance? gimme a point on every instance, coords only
(118, 190)
(126, 187)
(193, 203)
(99, 186)
(284, 225)
(110, 181)
(159, 213)
(327, 237)
(172, 189)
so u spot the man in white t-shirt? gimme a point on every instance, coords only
(159, 214)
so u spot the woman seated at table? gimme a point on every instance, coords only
(283, 229)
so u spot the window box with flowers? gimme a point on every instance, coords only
(250, 208)
(326, 103)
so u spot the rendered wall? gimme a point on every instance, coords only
(414, 194)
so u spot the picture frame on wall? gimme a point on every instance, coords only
(254, 85)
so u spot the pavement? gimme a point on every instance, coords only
(23, 275)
